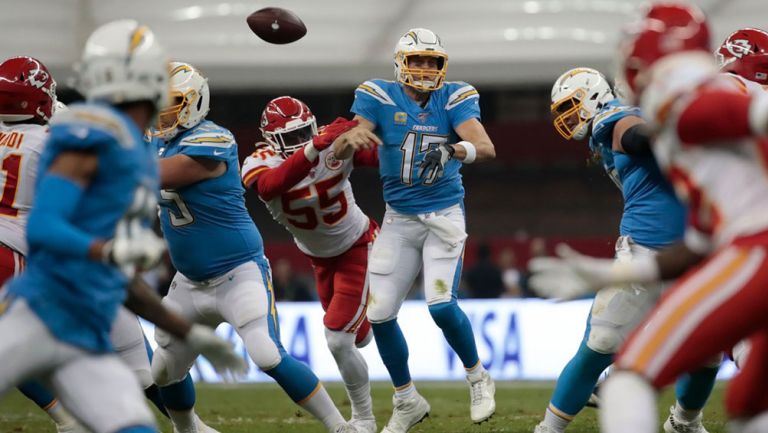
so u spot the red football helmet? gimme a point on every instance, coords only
(666, 28)
(27, 90)
(745, 53)
(288, 124)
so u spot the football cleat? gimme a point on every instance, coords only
(675, 425)
(408, 412)
(481, 394)
(367, 425)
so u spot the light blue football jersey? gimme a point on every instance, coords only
(652, 216)
(207, 227)
(77, 298)
(408, 132)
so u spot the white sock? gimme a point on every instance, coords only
(628, 405)
(354, 372)
(686, 415)
(59, 415)
(555, 421)
(321, 407)
(475, 373)
(405, 391)
(185, 421)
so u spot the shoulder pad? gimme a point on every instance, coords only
(460, 92)
(99, 118)
(376, 90)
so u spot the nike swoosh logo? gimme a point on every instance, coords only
(218, 153)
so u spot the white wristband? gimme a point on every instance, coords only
(471, 152)
(310, 152)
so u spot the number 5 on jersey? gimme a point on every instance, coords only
(181, 216)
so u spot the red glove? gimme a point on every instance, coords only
(329, 133)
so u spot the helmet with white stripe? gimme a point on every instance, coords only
(418, 43)
(190, 101)
(577, 96)
(123, 62)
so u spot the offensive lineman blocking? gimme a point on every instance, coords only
(420, 119)
(584, 105)
(229, 279)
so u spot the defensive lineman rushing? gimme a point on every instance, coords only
(584, 105)
(418, 120)
(711, 143)
(227, 280)
(307, 190)
(88, 236)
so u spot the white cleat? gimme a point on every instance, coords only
(407, 413)
(481, 394)
(675, 425)
(200, 427)
(364, 425)
(543, 428)
(347, 428)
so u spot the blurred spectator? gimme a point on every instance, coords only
(288, 286)
(484, 278)
(537, 248)
(510, 274)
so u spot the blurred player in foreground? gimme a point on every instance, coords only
(223, 275)
(428, 128)
(88, 235)
(584, 105)
(710, 141)
(307, 190)
(27, 102)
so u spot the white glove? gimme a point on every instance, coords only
(573, 275)
(133, 247)
(218, 351)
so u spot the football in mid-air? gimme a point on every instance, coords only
(277, 25)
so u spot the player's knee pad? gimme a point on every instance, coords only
(164, 370)
(339, 341)
(264, 351)
(604, 339)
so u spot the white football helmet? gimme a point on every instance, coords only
(577, 96)
(190, 101)
(420, 42)
(123, 62)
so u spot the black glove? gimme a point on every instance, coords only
(432, 166)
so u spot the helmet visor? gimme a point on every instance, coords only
(295, 139)
(566, 114)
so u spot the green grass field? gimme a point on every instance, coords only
(265, 409)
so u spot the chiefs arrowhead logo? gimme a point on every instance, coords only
(739, 47)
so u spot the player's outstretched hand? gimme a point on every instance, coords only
(357, 138)
(218, 351)
(134, 247)
(433, 165)
(329, 133)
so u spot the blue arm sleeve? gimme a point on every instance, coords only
(49, 227)
(365, 104)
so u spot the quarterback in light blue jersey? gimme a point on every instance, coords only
(223, 275)
(89, 232)
(584, 106)
(426, 129)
